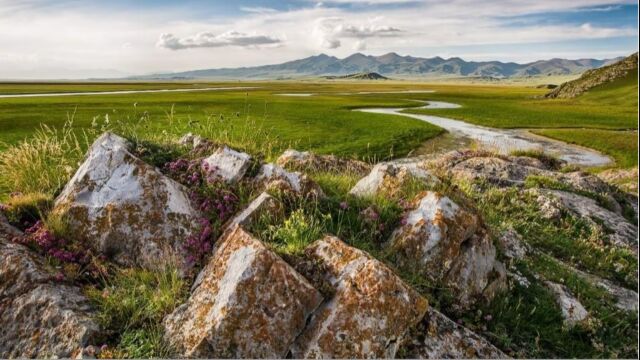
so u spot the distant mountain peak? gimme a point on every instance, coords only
(392, 65)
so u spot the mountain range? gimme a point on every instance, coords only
(392, 65)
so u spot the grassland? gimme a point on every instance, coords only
(324, 123)
(321, 123)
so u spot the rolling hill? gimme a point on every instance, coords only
(622, 71)
(391, 64)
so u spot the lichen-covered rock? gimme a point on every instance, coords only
(449, 243)
(370, 312)
(227, 164)
(513, 247)
(274, 177)
(623, 234)
(495, 170)
(125, 208)
(39, 317)
(246, 303)
(572, 310)
(264, 204)
(438, 337)
(304, 160)
(388, 179)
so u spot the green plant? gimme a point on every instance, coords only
(44, 162)
(297, 231)
(132, 304)
(24, 210)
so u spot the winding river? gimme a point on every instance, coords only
(117, 92)
(502, 140)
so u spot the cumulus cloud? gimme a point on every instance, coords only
(331, 30)
(211, 40)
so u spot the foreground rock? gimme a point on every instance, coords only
(125, 208)
(624, 234)
(297, 160)
(388, 179)
(227, 164)
(274, 177)
(572, 310)
(449, 244)
(495, 170)
(263, 205)
(246, 303)
(438, 337)
(39, 317)
(369, 314)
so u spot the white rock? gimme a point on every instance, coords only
(39, 317)
(124, 208)
(246, 303)
(368, 315)
(447, 243)
(513, 247)
(272, 176)
(227, 164)
(262, 205)
(572, 310)
(441, 338)
(387, 178)
(624, 234)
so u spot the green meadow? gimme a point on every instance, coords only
(604, 119)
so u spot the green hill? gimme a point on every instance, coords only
(613, 77)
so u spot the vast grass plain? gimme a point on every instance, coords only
(43, 139)
(325, 122)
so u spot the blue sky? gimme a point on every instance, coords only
(78, 39)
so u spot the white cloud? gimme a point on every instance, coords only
(331, 30)
(69, 39)
(211, 40)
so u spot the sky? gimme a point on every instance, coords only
(68, 39)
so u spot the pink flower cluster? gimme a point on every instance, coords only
(43, 239)
(187, 172)
(197, 246)
(212, 196)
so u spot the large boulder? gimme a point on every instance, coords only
(449, 244)
(227, 164)
(306, 161)
(369, 313)
(124, 208)
(438, 337)
(274, 177)
(246, 303)
(39, 316)
(388, 179)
